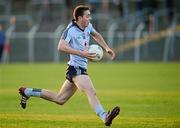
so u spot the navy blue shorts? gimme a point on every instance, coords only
(73, 71)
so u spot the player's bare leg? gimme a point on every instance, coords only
(66, 91)
(84, 83)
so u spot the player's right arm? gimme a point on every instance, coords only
(63, 47)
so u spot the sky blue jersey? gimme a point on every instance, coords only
(77, 39)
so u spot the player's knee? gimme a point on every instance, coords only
(94, 92)
(59, 101)
(91, 91)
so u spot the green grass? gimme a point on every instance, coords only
(148, 94)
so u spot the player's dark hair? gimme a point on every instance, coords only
(79, 11)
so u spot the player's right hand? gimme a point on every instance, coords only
(88, 55)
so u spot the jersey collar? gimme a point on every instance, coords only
(75, 24)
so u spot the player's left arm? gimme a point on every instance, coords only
(100, 40)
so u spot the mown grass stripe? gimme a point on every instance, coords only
(80, 117)
(114, 92)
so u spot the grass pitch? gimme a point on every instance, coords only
(148, 94)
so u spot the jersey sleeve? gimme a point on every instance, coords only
(92, 30)
(66, 35)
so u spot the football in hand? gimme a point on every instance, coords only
(94, 48)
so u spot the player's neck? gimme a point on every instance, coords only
(80, 25)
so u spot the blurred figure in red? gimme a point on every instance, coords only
(8, 34)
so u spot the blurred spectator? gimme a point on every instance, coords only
(105, 4)
(151, 20)
(118, 4)
(8, 34)
(13, 20)
(153, 5)
(139, 5)
(69, 6)
(45, 11)
(94, 5)
(170, 7)
(2, 41)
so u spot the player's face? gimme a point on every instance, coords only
(86, 18)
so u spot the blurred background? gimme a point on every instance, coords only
(138, 30)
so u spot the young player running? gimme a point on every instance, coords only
(75, 41)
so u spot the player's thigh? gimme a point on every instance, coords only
(67, 90)
(84, 83)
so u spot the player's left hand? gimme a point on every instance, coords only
(111, 53)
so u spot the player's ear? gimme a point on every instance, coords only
(79, 17)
